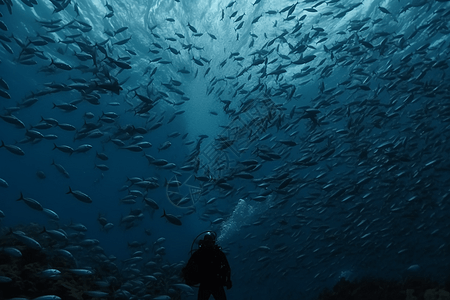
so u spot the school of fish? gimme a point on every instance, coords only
(155, 120)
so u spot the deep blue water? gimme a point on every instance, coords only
(360, 128)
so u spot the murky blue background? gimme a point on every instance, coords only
(375, 206)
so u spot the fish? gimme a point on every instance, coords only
(150, 202)
(11, 251)
(3, 183)
(164, 146)
(120, 30)
(51, 214)
(13, 149)
(102, 167)
(171, 219)
(198, 62)
(162, 297)
(61, 65)
(60, 169)
(229, 5)
(285, 183)
(304, 60)
(239, 18)
(3, 84)
(80, 196)
(31, 202)
(3, 26)
(83, 148)
(64, 148)
(384, 10)
(110, 86)
(132, 148)
(13, 120)
(56, 235)
(26, 240)
(47, 297)
(239, 26)
(5, 94)
(192, 28)
(184, 287)
(310, 9)
(81, 272)
(65, 107)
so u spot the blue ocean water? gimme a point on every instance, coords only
(312, 137)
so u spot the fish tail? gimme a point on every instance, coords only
(2, 145)
(164, 213)
(54, 147)
(70, 190)
(21, 197)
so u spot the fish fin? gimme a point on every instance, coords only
(21, 197)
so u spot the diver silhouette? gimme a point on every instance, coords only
(208, 266)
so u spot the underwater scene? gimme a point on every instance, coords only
(311, 136)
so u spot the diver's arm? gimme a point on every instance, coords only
(227, 268)
(227, 271)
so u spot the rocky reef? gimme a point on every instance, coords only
(84, 273)
(376, 289)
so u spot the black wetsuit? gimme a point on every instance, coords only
(214, 272)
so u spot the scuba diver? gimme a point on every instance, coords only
(208, 266)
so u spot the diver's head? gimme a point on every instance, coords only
(209, 240)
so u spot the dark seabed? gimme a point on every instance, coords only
(312, 136)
